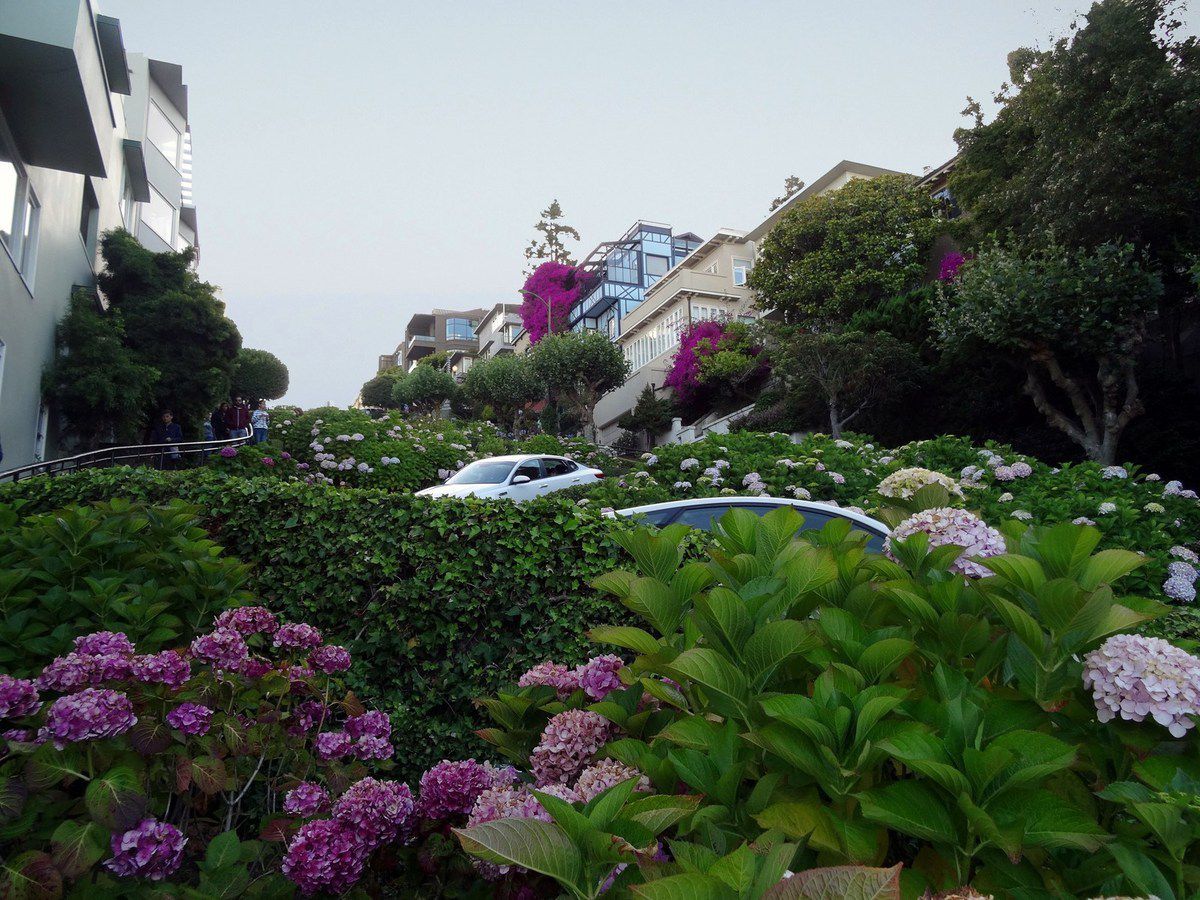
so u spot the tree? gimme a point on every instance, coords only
(174, 323)
(838, 253)
(1073, 320)
(580, 368)
(95, 381)
(736, 366)
(1095, 141)
(849, 372)
(378, 391)
(437, 359)
(424, 389)
(259, 375)
(650, 416)
(551, 246)
(791, 185)
(506, 383)
(553, 283)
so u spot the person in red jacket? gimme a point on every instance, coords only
(237, 419)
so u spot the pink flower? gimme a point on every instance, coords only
(551, 674)
(190, 718)
(952, 526)
(306, 799)
(223, 648)
(598, 778)
(378, 809)
(330, 659)
(297, 636)
(168, 667)
(18, 697)
(91, 714)
(326, 855)
(152, 850)
(598, 676)
(248, 620)
(568, 742)
(451, 788)
(1132, 676)
(332, 745)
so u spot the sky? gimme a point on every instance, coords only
(361, 161)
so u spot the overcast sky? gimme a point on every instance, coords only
(361, 161)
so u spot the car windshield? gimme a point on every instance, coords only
(486, 471)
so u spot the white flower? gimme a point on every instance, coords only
(1109, 472)
(952, 526)
(582, 502)
(1006, 497)
(801, 494)
(1154, 508)
(845, 445)
(1106, 508)
(904, 483)
(1004, 473)
(682, 485)
(1082, 520)
(689, 463)
(651, 459)
(1023, 514)
(1153, 477)
(641, 474)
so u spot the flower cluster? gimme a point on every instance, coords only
(224, 648)
(1181, 581)
(903, 483)
(952, 526)
(248, 620)
(330, 659)
(452, 788)
(89, 715)
(191, 718)
(597, 677)
(306, 799)
(1133, 676)
(297, 636)
(18, 697)
(568, 742)
(168, 667)
(364, 737)
(596, 779)
(152, 850)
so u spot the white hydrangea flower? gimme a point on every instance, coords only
(1106, 508)
(1153, 477)
(1021, 469)
(1023, 514)
(690, 463)
(1154, 508)
(1006, 497)
(1109, 472)
(682, 485)
(904, 483)
(801, 494)
(952, 526)
(1004, 473)
(1133, 676)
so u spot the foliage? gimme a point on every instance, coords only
(836, 254)
(696, 341)
(259, 375)
(424, 389)
(176, 767)
(551, 246)
(650, 416)
(174, 323)
(791, 186)
(148, 571)
(437, 359)
(558, 284)
(95, 382)
(848, 371)
(377, 392)
(580, 368)
(828, 706)
(736, 366)
(506, 383)
(1063, 315)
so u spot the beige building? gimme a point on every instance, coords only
(498, 330)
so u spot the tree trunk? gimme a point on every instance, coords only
(835, 418)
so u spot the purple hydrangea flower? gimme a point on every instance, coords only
(229, 452)
(451, 788)
(104, 643)
(332, 745)
(551, 674)
(330, 659)
(66, 673)
(371, 747)
(306, 799)
(306, 716)
(248, 620)
(253, 667)
(297, 636)
(91, 714)
(567, 744)
(20, 735)
(325, 855)
(190, 718)
(369, 724)
(379, 810)
(223, 648)
(598, 676)
(598, 778)
(18, 697)
(1132, 676)
(152, 850)
(168, 667)
(952, 526)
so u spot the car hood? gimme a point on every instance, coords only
(457, 490)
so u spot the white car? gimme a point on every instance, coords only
(514, 477)
(703, 511)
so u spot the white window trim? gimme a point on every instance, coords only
(744, 269)
(169, 239)
(177, 162)
(24, 262)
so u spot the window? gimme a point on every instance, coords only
(10, 186)
(531, 470)
(558, 467)
(741, 271)
(622, 266)
(482, 472)
(159, 216)
(163, 134)
(29, 234)
(460, 329)
(656, 266)
(19, 211)
(89, 215)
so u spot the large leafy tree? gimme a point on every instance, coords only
(1096, 141)
(580, 368)
(839, 253)
(1073, 320)
(378, 391)
(95, 381)
(550, 245)
(424, 389)
(506, 383)
(174, 323)
(651, 415)
(259, 375)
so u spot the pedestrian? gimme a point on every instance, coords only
(237, 419)
(168, 432)
(217, 421)
(260, 420)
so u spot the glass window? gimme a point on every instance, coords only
(657, 266)
(163, 134)
(656, 517)
(482, 472)
(531, 470)
(558, 467)
(460, 329)
(159, 216)
(622, 266)
(88, 215)
(10, 188)
(29, 235)
(741, 271)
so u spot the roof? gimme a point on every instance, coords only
(813, 505)
(521, 457)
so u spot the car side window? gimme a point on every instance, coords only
(657, 517)
(558, 467)
(702, 517)
(531, 470)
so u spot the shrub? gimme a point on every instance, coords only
(148, 571)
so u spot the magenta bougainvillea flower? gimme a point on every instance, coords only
(949, 266)
(559, 285)
(152, 850)
(698, 340)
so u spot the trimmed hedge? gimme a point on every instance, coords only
(440, 601)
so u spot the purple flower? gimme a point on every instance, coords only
(379, 810)
(369, 724)
(168, 667)
(223, 648)
(1132, 676)
(18, 697)
(297, 636)
(104, 643)
(332, 745)
(229, 452)
(949, 266)
(248, 620)
(551, 674)
(20, 735)
(598, 676)
(451, 788)
(330, 659)
(371, 747)
(952, 526)
(152, 850)
(253, 667)
(306, 716)
(190, 718)
(510, 803)
(325, 855)
(306, 799)
(285, 455)
(267, 461)
(91, 714)
(568, 743)
(66, 673)
(596, 779)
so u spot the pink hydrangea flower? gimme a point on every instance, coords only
(332, 745)
(168, 667)
(18, 697)
(451, 788)
(325, 855)
(91, 714)
(551, 674)
(568, 742)
(104, 643)
(952, 526)
(152, 850)
(297, 636)
(330, 659)
(223, 648)
(598, 778)
(306, 799)
(248, 620)
(373, 724)
(378, 809)
(1133, 676)
(598, 676)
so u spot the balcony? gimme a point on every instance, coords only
(604, 295)
(416, 341)
(55, 83)
(684, 281)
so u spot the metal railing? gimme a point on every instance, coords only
(160, 456)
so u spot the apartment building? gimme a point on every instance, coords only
(618, 273)
(498, 330)
(91, 138)
(448, 330)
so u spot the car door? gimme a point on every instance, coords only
(559, 474)
(532, 469)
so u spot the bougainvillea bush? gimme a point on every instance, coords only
(553, 283)
(794, 702)
(236, 764)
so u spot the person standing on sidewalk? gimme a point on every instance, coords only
(260, 421)
(237, 419)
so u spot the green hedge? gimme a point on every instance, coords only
(439, 600)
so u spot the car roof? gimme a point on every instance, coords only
(814, 505)
(519, 457)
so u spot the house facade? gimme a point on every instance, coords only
(92, 138)
(441, 330)
(498, 330)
